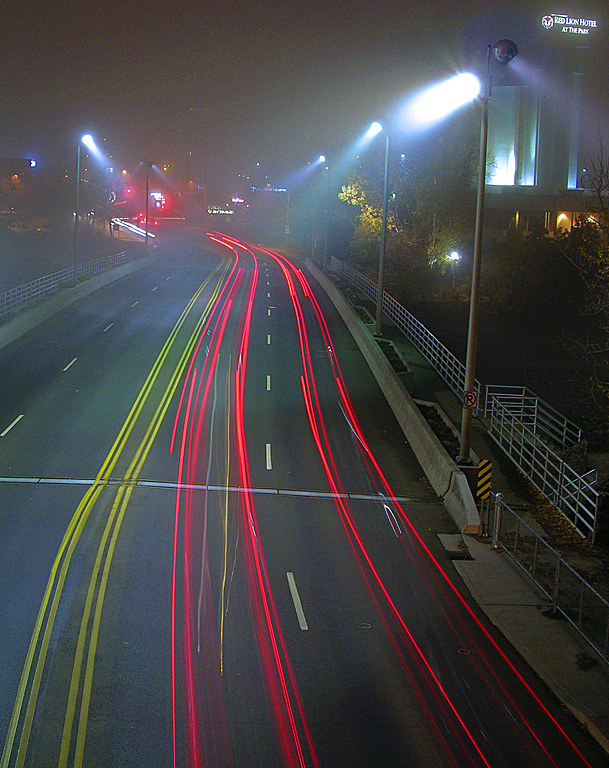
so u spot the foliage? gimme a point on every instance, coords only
(527, 269)
(430, 208)
(435, 196)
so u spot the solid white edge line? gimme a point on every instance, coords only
(70, 364)
(302, 621)
(11, 425)
(269, 462)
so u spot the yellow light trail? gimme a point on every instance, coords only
(60, 567)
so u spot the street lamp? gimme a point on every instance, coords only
(454, 257)
(148, 164)
(378, 329)
(87, 140)
(321, 159)
(327, 219)
(503, 51)
(426, 108)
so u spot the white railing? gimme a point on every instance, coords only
(19, 297)
(521, 423)
(450, 368)
(569, 593)
(573, 494)
(102, 264)
(540, 417)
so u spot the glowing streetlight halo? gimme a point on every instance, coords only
(438, 101)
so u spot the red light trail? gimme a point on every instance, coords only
(229, 325)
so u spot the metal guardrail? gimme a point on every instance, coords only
(522, 424)
(19, 297)
(450, 368)
(102, 264)
(563, 486)
(568, 592)
(537, 415)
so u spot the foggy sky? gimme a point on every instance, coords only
(233, 83)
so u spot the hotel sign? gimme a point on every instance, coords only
(569, 25)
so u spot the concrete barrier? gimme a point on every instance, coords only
(47, 307)
(445, 477)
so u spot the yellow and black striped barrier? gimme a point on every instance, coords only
(485, 472)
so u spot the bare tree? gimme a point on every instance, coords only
(587, 248)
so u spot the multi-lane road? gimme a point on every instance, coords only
(217, 549)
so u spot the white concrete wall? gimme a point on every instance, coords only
(445, 477)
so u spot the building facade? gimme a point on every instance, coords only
(542, 128)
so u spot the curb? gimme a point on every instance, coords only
(58, 301)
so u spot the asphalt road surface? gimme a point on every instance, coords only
(217, 548)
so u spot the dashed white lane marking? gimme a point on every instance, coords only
(302, 621)
(11, 425)
(70, 364)
(269, 462)
(107, 328)
(135, 304)
(268, 338)
(268, 383)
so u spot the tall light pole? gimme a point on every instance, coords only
(503, 51)
(321, 159)
(327, 220)
(87, 140)
(381, 276)
(454, 257)
(429, 106)
(148, 164)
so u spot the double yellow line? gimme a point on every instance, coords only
(80, 688)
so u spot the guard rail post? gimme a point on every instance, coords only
(556, 583)
(498, 501)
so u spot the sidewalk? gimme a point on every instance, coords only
(512, 601)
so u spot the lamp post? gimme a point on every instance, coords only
(429, 106)
(378, 330)
(148, 164)
(327, 221)
(503, 51)
(454, 257)
(87, 140)
(321, 159)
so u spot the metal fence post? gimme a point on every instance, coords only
(556, 583)
(498, 501)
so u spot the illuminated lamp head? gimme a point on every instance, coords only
(505, 50)
(440, 100)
